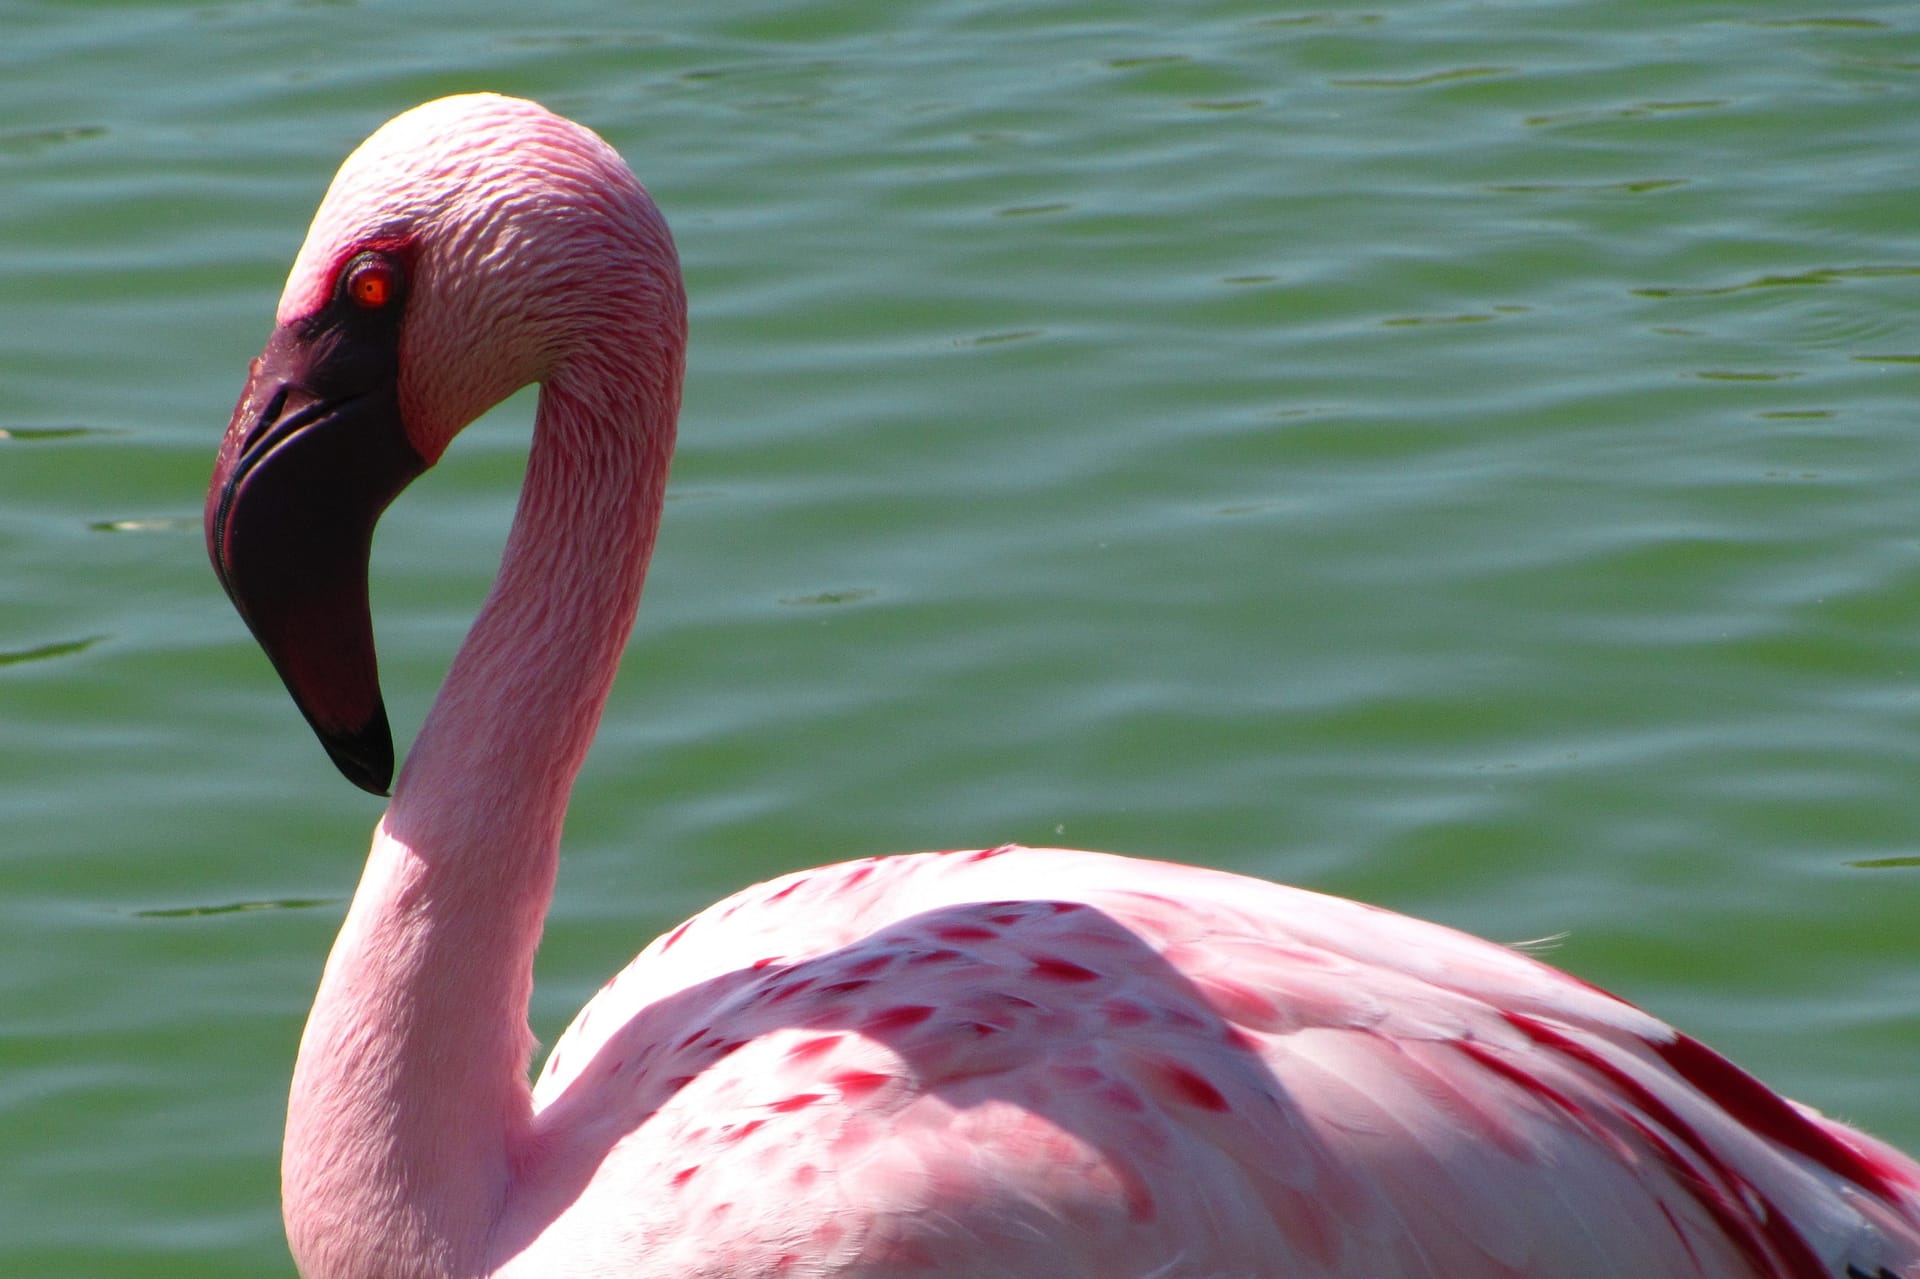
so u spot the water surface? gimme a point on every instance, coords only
(1459, 456)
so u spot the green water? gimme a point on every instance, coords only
(1456, 455)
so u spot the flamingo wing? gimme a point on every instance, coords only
(1038, 1061)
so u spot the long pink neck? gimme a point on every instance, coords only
(410, 1098)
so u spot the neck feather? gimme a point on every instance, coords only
(410, 1096)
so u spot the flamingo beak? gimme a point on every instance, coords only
(314, 453)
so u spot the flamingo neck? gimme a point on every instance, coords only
(410, 1106)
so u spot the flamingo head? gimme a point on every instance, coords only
(469, 247)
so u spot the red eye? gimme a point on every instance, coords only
(372, 282)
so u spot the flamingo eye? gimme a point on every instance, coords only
(372, 281)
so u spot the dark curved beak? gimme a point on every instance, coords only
(314, 453)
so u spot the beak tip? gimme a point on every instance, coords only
(364, 757)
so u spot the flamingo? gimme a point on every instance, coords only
(999, 1062)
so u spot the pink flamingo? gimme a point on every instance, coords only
(1009, 1062)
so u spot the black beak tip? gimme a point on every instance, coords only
(365, 756)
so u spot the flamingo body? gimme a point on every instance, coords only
(1010, 1062)
(1044, 1062)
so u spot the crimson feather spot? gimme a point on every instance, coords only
(855, 1084)
(1054, 968)
(812, 1048)
(847, 987)
(799, 1101)
(740, 1131)
(899, 1017)
(1192, 1088)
